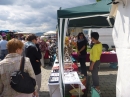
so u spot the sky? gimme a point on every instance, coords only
(33, 15)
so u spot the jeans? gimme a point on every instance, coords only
(82, 61)
(94, 72)
(3, 53)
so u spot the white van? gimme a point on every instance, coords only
(105, 36)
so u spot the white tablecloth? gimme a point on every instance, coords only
(69, 78)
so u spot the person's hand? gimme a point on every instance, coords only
(78, 53)
(37, 60)
(90, 67)
(35, 94)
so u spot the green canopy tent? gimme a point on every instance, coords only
(90, 16)
(93, 22)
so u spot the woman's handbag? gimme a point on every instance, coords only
(21, 81)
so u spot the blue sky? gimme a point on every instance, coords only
(33, 15)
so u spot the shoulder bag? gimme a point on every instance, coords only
(21, 81)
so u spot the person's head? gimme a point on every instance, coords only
(94, 36)
(15, 46)
(4, 37)
(81, 36)
(23, 37)
(42, 38)
(26, 37)
(32, 38)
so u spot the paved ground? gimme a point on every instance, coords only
(107, 81)
(44, 92)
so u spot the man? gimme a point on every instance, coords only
(3, 48)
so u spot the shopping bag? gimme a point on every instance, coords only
(94, 92)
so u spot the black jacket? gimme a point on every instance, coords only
(80, 44)
(33, 53)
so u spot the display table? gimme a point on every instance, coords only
(69, 78)
(106, 57)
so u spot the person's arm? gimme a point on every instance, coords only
(94, 57)
(35, 53)
(1, 86)
(39, 51)
(30, 71)
(82, 49)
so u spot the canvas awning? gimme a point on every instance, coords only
(23, 33)
(50, 33)
(91, 16)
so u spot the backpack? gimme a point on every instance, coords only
(21, 81)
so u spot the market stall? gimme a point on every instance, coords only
(71, 78)
(9, 33)
(22, 32)
(50, 34)
(92, 16)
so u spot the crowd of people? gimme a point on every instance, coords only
(34, 49)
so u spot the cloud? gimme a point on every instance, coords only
(6, 2)
(33, 15)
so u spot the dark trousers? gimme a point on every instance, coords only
(3, 53)
(94, 72)
(82, 60)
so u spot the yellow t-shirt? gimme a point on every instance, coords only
(96, 52)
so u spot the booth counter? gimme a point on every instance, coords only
(70, 78)
(106, 57)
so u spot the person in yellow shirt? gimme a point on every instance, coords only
(95, 54)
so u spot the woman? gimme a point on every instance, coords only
(82, 47)
(34, 54)
(43, 48)
(95, 54)
(10, 64)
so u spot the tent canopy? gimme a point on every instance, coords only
(50, 33)
(92, 22)
(86, 10)
(23, 33)
(93, 15)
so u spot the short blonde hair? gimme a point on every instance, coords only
(13, 45)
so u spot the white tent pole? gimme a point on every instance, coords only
(89, 16)
(65, 29)
(108, 19)
(59, 54)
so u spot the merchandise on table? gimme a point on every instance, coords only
(54, 79)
